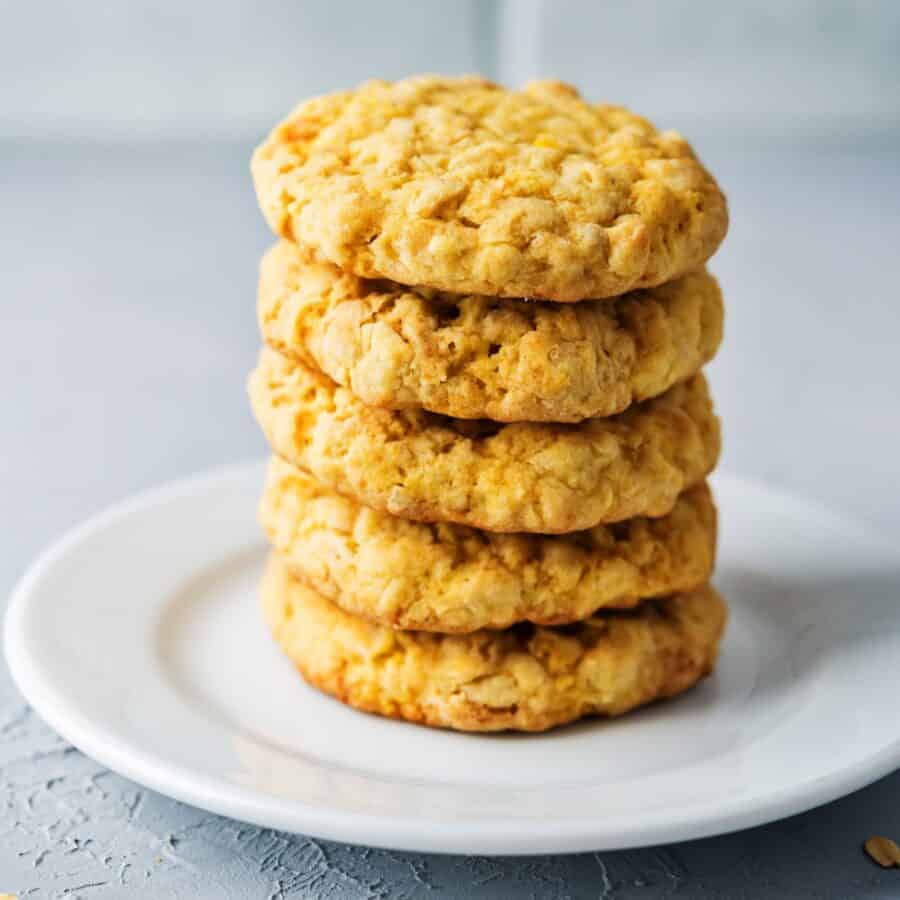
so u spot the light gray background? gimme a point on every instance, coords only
(128, 246)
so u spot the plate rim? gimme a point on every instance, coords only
(396, 832)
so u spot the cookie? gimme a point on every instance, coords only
(450, 578)
(526, 678)
(463, 186)
(477, 357)
(535, 477)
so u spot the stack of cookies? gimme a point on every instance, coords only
(484, 326)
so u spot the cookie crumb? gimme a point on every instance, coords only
(884, 851)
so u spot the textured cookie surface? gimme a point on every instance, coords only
(461, 185)
(475, 357)
(527, 678)
(535, 477)
(450, 578)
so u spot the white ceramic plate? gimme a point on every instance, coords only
(137, 638)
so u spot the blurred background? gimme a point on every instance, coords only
(225, 70)
(129, 234)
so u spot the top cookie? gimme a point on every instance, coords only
(463, 186)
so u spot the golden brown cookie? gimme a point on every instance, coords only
(545, 478)
(461, 185)
(476, 357)
(450, 578)
(526, 678)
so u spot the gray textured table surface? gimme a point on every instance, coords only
(127, 329)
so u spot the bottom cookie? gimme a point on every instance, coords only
(526, 678)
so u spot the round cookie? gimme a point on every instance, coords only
(461, 185)
(476, 357)
(535, 477)
(526, 678)
(450, 578)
